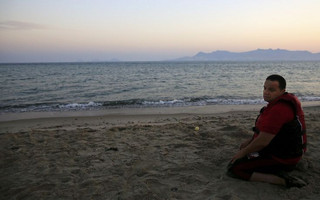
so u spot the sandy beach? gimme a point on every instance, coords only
(140, 154)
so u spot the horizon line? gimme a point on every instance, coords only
(115, 60)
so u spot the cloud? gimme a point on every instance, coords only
(20, 25)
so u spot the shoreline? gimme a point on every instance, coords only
(211, 109)
(207, 109)
(15, 122)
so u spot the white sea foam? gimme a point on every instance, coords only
(235, 101)
(163, 102)
(306, 98)
(80, 105)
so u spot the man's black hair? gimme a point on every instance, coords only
(280, 79)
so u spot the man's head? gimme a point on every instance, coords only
(274, 86)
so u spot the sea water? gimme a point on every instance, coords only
(82, 86)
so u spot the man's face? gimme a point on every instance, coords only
(271, 90)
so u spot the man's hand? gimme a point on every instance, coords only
(255, 145)
(239, 155)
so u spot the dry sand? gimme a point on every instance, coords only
(140, 154)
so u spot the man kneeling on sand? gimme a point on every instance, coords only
(278, 142)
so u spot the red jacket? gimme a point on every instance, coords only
(283, 117)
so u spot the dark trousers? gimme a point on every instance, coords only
(243, 168)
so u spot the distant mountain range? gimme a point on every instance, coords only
(256, 55)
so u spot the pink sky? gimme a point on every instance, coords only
(71, 30)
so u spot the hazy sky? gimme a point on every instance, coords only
(99, 30)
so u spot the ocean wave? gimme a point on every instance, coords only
(309, 98)
(80, 105)
(164, 103)
(202, 102)
(138, 103)
(49, 107)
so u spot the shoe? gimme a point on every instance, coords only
(292, 181)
